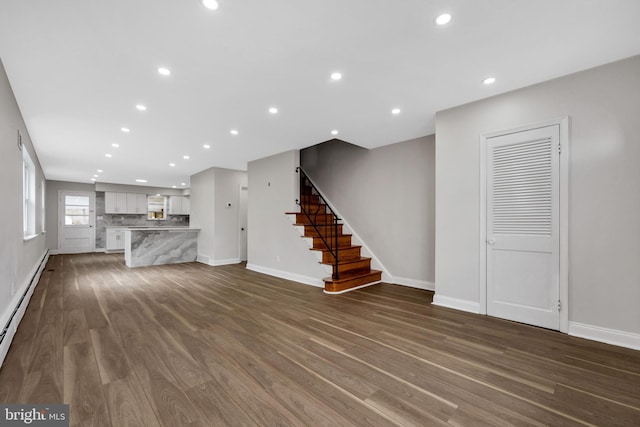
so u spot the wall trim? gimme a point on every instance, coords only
(605, 335)
(563, 124)
(414, 283)
(456, 303)
(218, 262)
(286, 275)
(11, 321)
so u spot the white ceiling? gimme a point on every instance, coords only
(79, 67)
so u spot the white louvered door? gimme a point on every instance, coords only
(523, 245)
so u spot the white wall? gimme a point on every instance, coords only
(18, 258)
(211, 190)
(274, 245)
(227, 218)
(604, 191)
(387, 195)
(202, 200)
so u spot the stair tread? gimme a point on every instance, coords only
(347, 261)
(339, 247)
(310, 225)
(345, 277)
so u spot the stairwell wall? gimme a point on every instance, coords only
(274, 245)
(387, 195)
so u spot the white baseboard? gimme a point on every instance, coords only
(217, 262)
(29, 285)
(206, 259)
(54, 251)
(605, 335)
(286, 275)
(414, 283)
(458, 304)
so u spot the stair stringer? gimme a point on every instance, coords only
(356, 240)
(309, 241)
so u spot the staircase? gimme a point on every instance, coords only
(349, 269)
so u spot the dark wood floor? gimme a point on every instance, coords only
(192, 345)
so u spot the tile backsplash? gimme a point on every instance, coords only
(103, 220)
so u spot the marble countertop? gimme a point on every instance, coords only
(161, 228)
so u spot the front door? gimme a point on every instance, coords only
(523, 236)
(76, 222)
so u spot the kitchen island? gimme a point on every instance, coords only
(160, 245)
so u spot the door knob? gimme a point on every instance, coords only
(491, 242)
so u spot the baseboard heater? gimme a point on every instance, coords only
(32, 281)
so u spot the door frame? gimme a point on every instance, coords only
(92, 214)
(242, 188)
(563, 124)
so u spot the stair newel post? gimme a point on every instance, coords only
(335, 240)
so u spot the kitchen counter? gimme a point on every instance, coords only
(160, 245)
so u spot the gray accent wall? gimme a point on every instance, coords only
(603, 105)
(387, 195)
(19, 258)
(211, 192)
(274, 246)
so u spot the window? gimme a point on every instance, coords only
(42, 206)
(76, 210)
(29, 194)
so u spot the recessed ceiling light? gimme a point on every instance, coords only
(93, 179)
(273, 110)
(489, 80)
(141, 180)
(115, 145)
(164, 71)
(210, 4)
(99, 170)
(95, 176)
(182, 183)
(443, 19)
(174, 186)
(336, 76)
(172, 165)
(125, 130)
(141, 107)
(206, 146)
(157, 194)
(234, 131)
(185, 157)
(108, 155)
(334, 132)
(395, 111)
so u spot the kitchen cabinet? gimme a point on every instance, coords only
(125, 203)
(115, 239)
(115, 202)
(179, 205)
(137, 203)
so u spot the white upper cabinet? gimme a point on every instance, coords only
(179, 205)
(125, 203)
(137, 203)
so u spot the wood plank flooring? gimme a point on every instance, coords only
(193, 345)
